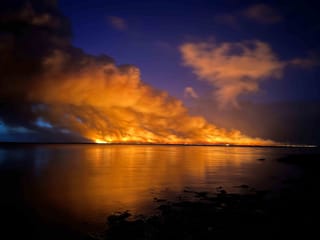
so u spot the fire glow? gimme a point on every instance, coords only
(106, 103)
(110, 104)
(73, 92)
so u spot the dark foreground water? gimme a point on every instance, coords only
(77, 186)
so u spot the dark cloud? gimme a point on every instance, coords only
(30, 32)
(118, 23)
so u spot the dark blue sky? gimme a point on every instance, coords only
(154, 30)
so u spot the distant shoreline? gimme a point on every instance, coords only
(160, 144)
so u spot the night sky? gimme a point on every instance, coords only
(246, 65)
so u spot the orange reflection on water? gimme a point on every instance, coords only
(92, 181)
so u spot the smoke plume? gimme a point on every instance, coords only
(44, 79)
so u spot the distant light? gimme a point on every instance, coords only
(299, 145)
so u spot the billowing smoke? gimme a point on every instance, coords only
(48, 85)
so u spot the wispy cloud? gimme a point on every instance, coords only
(227, 19)
(236, 68)
(259, 13)
(262, 13)
(304, 62)
(118, 23)
(190, 92)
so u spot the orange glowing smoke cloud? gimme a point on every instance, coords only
(44, 77)
(110, 104)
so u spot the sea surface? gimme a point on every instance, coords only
(79, 185)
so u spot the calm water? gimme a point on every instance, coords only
(82, 184)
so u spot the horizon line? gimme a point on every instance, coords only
(165, 144)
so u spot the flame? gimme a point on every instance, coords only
(213, 137)
(99, 141)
